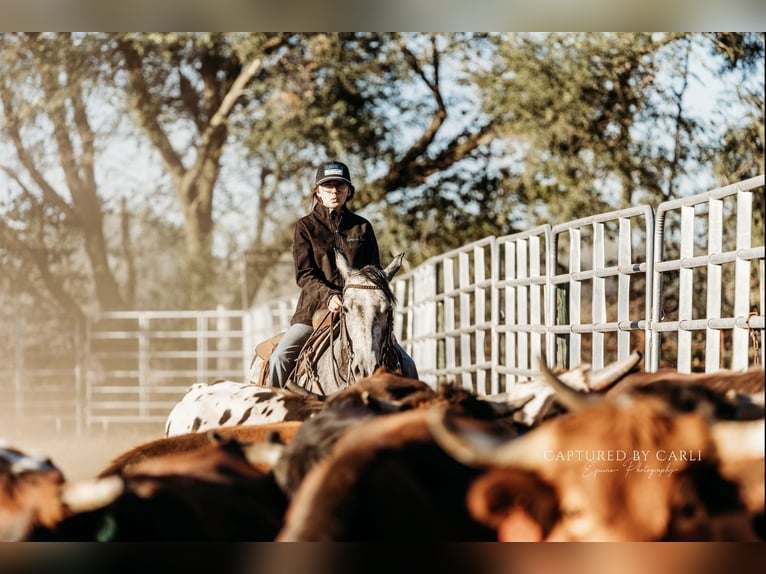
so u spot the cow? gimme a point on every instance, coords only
(629, 468)
(278, 433)
(382, 393)
(725, 395)
(385, 392)
(211, 493)
(385, 481)
(728, 395)
(748, 382)
(29, 493)
(228, 403)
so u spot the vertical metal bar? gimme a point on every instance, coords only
(202, 350)
(575, 293)
(424, 348)
(19, 367)
(511, 292)
(535, 296)
(494, 317)
(248, 342)
(598, 301)
(656, 291)
(522, 319)
(465, 319)
(449, 312)
(550, 295)
(144, 332)
(649, 277)
(79, 353)
(624, 262)
(479, 316)
(685, 290)
(741, 336)
(714, 286)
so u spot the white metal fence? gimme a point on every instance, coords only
(140, 363)
(683, 283)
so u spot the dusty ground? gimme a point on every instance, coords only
(78, 456)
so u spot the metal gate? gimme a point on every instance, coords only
(140, 363)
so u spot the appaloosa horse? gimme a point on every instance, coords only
(346, 348)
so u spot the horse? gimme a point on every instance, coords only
(351, 345)
(346, 348)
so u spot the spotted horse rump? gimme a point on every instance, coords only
(222, 403)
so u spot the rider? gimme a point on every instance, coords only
(330, 225)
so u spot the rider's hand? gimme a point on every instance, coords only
(335, 304)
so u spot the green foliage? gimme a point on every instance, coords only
(451, 137)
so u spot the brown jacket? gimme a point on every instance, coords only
(316, 236)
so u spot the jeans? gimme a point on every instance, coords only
(283, 357)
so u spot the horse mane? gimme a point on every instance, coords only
(378, 278)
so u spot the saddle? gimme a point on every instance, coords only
(325, 329)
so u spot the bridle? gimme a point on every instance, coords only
(389, 354)
(343, 360)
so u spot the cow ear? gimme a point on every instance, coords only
(343, 265)
(393, 267)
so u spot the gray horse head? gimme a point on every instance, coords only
(368, 313)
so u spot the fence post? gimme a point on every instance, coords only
(18, 375)
(740, 335)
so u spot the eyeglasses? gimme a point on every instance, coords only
(339, 185)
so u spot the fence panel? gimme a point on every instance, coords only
(523, 305)
(141, 363)
(602, 285)
(40, 378)
(709, 280)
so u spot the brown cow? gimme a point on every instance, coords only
(386, 480)
(208, 494)
(750, 382)
(29, 494)
(382, 393)
(278, 433)
(725, 395)
(632, 469)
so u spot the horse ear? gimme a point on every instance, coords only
(393, 267)
(342, 264)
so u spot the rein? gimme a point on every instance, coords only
(343, 360)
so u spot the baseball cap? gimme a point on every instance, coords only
(333, 170)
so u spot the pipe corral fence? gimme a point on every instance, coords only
(682, 284)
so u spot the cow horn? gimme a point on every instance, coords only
(609, 375)
(263, 453)
(739, 440)
(92, 494)
(503, 405)
(482, 450)
(565, 396)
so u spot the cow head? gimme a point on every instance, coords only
(633, 469)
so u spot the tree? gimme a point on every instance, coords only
(44, 95)
(195, 81)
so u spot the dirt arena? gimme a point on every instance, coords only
(78, 456)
